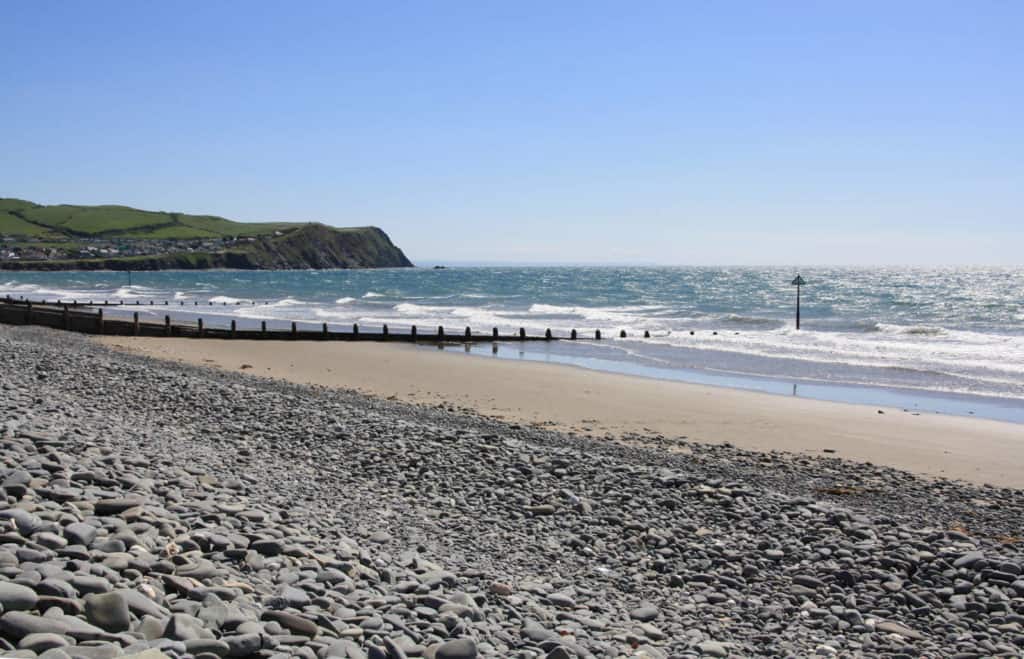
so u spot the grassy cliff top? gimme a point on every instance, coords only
(63, 231)
(25, 218)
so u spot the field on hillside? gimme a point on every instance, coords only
(24, 218)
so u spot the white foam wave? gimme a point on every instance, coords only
(226, 299)
(616, 316)
(371, 294)
(345, 300)
(972, 355)
(35, 291)
(339, 315)
(923, 330)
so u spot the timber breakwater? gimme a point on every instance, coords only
(89, 318)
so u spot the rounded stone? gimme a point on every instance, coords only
(108, 611)
(463, 648)
(41, 642)
(15, 597)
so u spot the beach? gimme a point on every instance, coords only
(197, 509)
(599, 404)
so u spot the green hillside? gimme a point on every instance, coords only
(24, 218)
(67, 237)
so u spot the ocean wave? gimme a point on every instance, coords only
(969, 354)
(35, 291)
(754, 321)
(338, 315)
(371, 294)
(226, 299)
(125, 292)
(345, 300)
(618, 316)
(921, 330)
(411, 308)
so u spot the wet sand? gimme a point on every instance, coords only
(606, 404)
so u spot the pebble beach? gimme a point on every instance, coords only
(157, 508)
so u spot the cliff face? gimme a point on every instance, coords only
(318, 246)
(312, 246)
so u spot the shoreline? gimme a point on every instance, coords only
(913, 400)
(880, 394)
(614, 406)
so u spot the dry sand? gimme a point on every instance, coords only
(606, 404)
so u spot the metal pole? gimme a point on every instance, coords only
(798, 306)
(798, 282)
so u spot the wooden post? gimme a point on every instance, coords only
(135, 323)
(233, 326)
(99, 321)
(572, 335)
(522, 333)
(325, 330)
(413, 332)
(384, 330)
(469, 333)
(547, 334)
(597, 334)
(200, 328)
(647, 334)
(440, 332)
(494, 332)
(167, 325)
(67, 318)
(263, 328)
(355, 329)
(622, 334)
(295, 330)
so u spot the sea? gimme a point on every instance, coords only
(927, 340)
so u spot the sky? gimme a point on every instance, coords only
(601, 132)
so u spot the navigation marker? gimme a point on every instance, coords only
(798, 282)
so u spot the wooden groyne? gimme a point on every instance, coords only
(89, 318)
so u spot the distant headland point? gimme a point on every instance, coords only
(111, 237)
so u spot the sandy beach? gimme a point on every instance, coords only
(610, 405)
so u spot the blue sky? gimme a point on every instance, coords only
(676, 132)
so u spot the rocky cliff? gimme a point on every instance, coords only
(310, 246)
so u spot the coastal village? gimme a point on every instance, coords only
(23, 248)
